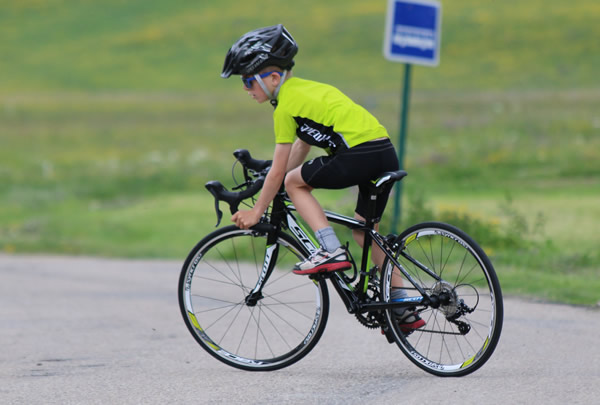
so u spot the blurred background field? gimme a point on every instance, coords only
(113, 116)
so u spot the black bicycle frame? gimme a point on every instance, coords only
(354, 299)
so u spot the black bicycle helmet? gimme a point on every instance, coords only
(269, 46)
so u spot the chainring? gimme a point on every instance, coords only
(371, 319)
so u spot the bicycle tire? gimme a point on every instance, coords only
(453, 342)
(284, 326)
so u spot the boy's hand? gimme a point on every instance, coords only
(245, 219)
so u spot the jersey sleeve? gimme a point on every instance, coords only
(284, 126)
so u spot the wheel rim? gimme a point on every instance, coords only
(279, 328)
(454, 340)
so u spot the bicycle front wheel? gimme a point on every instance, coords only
(463, 328)
(272, 332)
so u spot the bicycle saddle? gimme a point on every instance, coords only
(387, 178)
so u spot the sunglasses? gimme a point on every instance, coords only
(248, 81)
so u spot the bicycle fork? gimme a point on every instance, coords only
(271, 253)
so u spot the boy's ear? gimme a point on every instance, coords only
(276, 78)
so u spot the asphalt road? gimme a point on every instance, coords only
(98, 331)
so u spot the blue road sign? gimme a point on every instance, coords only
(412, 33)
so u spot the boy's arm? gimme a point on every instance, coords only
(246, 218)
(274, 177)
(297, 155)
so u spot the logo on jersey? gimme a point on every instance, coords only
(314, 133)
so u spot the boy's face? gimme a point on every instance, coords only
(257, 93)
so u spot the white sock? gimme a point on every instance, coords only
(328, 239)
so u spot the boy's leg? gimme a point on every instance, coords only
(377, 255)
(310, 210)
(331, 256)
(407, 318)
(307, 205)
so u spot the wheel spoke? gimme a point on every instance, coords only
(462, 331)
(276, 330)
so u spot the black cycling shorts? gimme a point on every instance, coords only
(355, 166)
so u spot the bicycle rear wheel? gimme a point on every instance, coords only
(461, 334)
(279, 329)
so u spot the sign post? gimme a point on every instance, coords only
(412, 36)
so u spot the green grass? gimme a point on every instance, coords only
(180, 45)
(113, 116)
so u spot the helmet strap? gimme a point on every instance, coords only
(263, 86)
(272, 97)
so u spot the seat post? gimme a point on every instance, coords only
(370, 225)
(372, 206)
(375, 188)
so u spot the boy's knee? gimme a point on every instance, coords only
(294, 180)
(288, 182)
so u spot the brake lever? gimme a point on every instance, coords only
(219, 212)
(212, 187)
(232, 198)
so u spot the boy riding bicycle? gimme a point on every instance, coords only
(309, 113)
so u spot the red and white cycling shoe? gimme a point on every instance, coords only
(321, 261)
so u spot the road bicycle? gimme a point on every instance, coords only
(243, 305)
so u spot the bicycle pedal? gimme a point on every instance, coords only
(321, 276)
(386, 331)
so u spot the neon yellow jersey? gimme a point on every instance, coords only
(323, 116)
